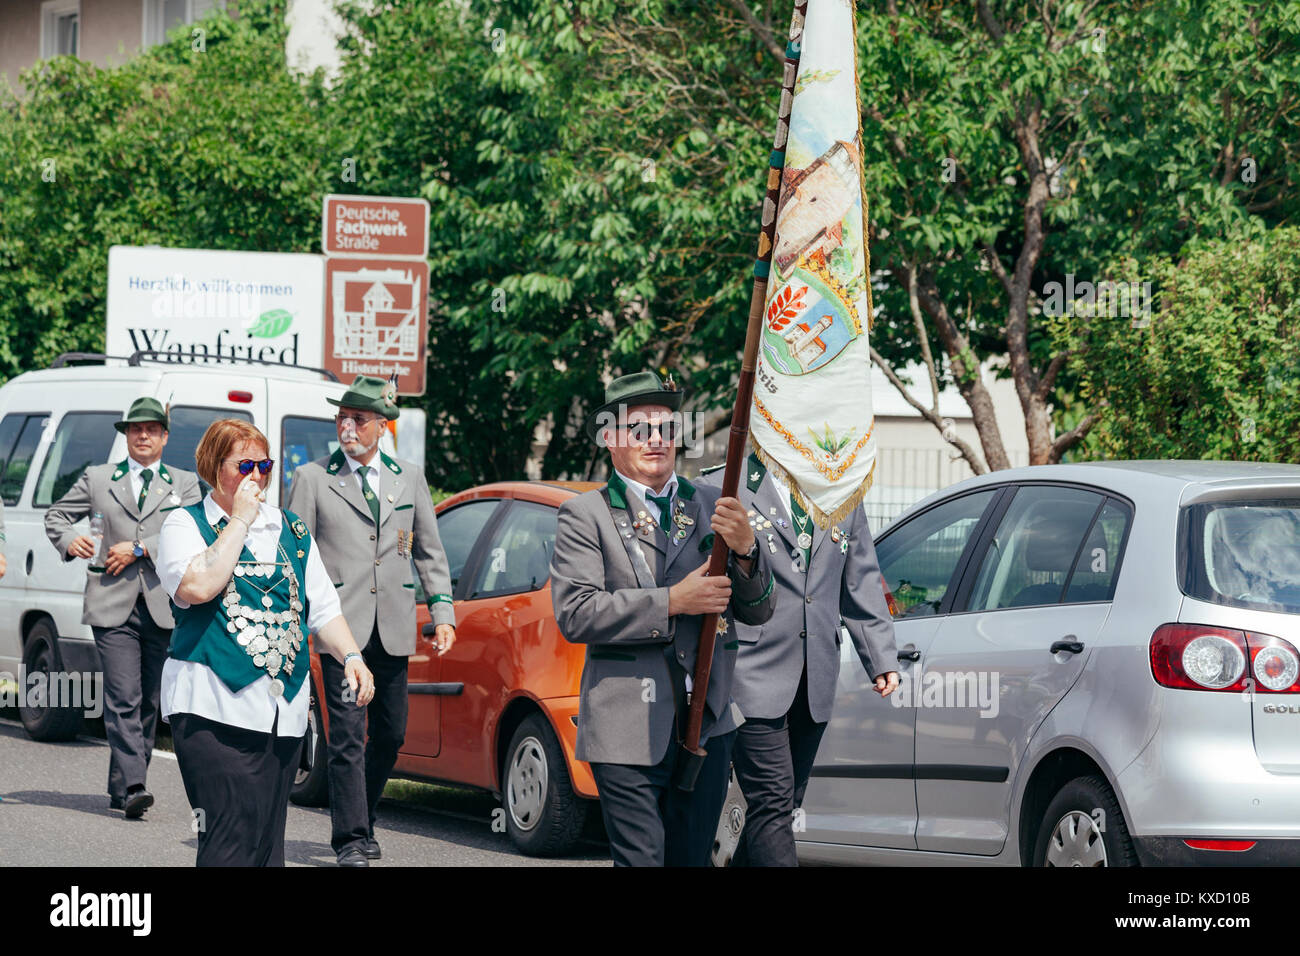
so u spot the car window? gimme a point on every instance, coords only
(1096, 569)
(1030, 556)
(918, 558)
(20, 433)
(82, 439)
(459, 528)
(186, 425)
(303, 440)
(1245, 554)
(518, 556)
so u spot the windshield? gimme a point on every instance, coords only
(1245, 554)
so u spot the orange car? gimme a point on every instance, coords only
(498, 710)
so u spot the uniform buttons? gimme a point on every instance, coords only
(377, 565)
(682, 655)
(803, 634)
(808, 599)
(654, 633)
(372, 590)
(372, 537)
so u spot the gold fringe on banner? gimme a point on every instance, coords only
(820, 518)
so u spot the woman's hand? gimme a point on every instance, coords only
(360, 681)
(248, 499)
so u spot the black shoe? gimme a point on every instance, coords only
(137, 802)
(371, 849)
(115, 803)
(353, 856)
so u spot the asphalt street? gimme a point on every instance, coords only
(54, 812)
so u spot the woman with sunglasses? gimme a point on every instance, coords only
(247, 586)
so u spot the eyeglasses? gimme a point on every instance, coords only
(247, 465)
(670, 430)
(358, 421)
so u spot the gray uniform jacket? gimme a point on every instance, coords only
(372, 569)
(107, 489)
(616, 603)
(843, 584)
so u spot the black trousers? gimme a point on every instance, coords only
(238, 783)
(773, 760)
(357, 777)
(650, 822)
(132, 656)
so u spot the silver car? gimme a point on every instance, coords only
(1099, 668)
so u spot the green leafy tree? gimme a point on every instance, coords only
(1214, 372)
(216, 148)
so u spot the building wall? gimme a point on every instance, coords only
(111, 30)
(20, 37)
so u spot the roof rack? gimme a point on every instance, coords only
(149, 355)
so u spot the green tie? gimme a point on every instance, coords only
(665, 508)
(802, 524)
(145, 477)
(371, 500)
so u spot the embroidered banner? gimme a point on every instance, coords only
(812, 420)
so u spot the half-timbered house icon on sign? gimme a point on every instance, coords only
(377, 314)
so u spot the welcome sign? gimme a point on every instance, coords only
(204, 306)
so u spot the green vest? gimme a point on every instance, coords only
(242, 645)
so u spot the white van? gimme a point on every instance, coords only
(57, 421)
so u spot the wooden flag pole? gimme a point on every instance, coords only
(692, 758)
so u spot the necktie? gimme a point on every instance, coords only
(145, 477)
(371, 500)
(803, 524)
(665, 508)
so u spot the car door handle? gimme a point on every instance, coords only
(1070, 644)
(909, 653)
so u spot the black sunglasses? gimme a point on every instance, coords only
(640, 432)
(247, 465)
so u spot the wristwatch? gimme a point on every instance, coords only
(137, 548)
(752, 553)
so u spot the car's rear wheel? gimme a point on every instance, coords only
(544, 817)
(1084, 826)
(41, 655)
(311, 783)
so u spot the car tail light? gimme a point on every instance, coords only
(238, 395)
(1199, 657)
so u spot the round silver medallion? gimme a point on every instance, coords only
(276, 688)
(243, 637)
(266, 600)
(231, 627)
(259, 660)
(805, 540)
(239, 570)
(241, 623)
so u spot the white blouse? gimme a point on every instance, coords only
(189, 687)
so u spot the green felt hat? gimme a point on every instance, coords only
(370, 394)
(143, 410)
(639, 388)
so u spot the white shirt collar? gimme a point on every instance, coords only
(357, 466)
(670, 488)
(267, 517)
(135, 467)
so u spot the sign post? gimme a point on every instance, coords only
(376, 288)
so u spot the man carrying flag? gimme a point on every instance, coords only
(628, 580)
(812, 438)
